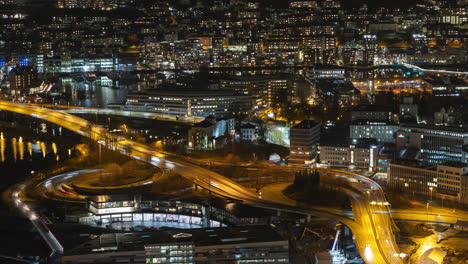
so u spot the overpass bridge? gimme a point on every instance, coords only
(373, 231)
(124, 113)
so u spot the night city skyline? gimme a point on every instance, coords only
(234, 131)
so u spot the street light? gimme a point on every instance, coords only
(430, 188)
(427, 211)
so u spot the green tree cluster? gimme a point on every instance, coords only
(307, 178)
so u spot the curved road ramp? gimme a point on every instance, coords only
(373, 231)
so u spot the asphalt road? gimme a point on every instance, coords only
(373, 232)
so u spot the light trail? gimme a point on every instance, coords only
(363, 228)
(431, 70)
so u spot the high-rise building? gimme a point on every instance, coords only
(304, 139)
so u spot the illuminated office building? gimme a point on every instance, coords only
(437, 144)
(361, 155)
(190, 103)
(445, 181)
(262, 88)
(304, 139)
(383, 132)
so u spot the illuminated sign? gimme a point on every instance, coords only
(113, 210)
(182, 235)
(43, 128)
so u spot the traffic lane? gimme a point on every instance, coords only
(97, 133)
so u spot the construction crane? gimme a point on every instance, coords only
(335, 252)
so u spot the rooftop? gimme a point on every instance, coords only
(371, 108)
(248, 126)
(455, 164)
(460, 129)
(185, 92)
(204, 124)
(373, 122)
(450, 80)
(113, 242)
(411, 163)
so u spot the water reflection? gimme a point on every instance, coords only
(95, 93)
(30, 148)
(2, 148)
(21, 148)
(18, 148)
(54, 148)
(13, 144)
(43, 149)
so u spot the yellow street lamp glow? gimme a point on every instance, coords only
(373, 203)
(368, 253)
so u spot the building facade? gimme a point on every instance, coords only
(360, 156)
(382, 131)
(256, 244)
(408, 109)
(125, 208)
(446, 181)
(262, 88)
(304, 139)
(371, 112)
(248, 132)
(437, 144)
(190, 103)
(208, 133)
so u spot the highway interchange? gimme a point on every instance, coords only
(372, 224)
